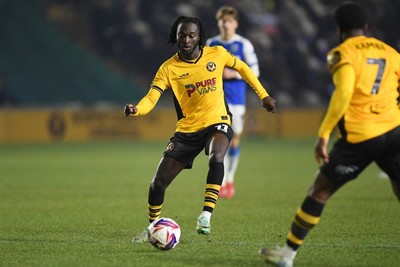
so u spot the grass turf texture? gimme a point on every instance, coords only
(80, 204)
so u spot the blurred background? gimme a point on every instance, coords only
(67, 67)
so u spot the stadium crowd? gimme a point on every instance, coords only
(291, 37)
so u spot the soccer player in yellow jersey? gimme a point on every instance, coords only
(194, 74)
(365, 72)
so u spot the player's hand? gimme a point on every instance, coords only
(321, 154)
(269, 104)
(130, 109)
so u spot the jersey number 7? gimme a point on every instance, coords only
(381, 62)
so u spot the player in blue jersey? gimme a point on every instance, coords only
(234, 87)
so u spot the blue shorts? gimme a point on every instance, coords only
(347, 161)
(184, 147)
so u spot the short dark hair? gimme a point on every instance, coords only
(182, 19)
(350, 16)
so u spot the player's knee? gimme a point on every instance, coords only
(323, 188)
(216, 156)
(158, 186)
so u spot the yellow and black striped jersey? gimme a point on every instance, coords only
(366, 72)
(198, 88)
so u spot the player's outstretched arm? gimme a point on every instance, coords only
(144, 106)
(269, 103)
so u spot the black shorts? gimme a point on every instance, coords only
(347, 161)
(184, 147)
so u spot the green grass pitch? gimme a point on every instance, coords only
(80, 204)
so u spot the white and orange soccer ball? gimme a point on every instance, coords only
(164, 233)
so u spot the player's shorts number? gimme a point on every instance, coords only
(222, 127)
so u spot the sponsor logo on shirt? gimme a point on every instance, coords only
(202, 87)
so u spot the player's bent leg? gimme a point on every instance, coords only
(166, 172)
(306, 218)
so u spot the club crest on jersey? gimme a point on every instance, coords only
(170, 147)
(333, 59)
(211, 66)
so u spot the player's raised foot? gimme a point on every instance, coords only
(278, 257)
(230, 190)
(141, 237)
(203, 226)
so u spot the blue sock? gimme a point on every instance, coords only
(233, 151)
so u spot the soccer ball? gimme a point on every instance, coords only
(164, 233)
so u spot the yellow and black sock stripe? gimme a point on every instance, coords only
(211, 196)
(306, 218)
(154, 212)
